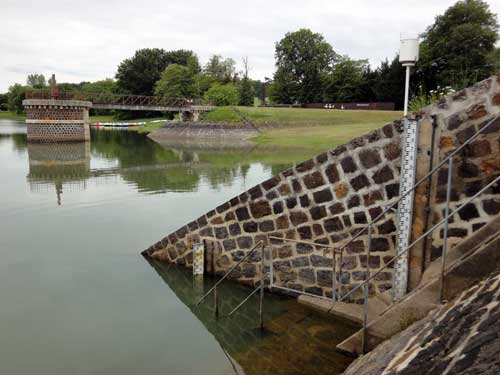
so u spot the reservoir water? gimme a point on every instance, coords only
(76, 296)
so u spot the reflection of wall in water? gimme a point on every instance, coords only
(236, 334)
(58, 166)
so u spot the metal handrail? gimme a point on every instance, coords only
(260, 288)
(260, 243)
(334, 266)
(365, 283)
(305, 242)
(117, 99)
(403, 252)
(424, 178)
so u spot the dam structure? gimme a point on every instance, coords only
(330, 224)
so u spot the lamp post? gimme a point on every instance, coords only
(408, 56)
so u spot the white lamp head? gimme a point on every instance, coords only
(408, 51)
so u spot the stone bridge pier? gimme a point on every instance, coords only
(190, 115)
(53, 120)
(50, 119)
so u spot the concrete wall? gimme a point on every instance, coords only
(327, 200)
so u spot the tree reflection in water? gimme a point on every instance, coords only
(144, 164)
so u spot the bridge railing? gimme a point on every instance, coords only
(115, 99)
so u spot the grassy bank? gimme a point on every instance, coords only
(317, 129)
(311, 128)
(6, 115)
(298, 117)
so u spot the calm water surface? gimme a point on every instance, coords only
(77, 298)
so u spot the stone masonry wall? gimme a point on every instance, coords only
(325, 200)
(329, 198)
(464, 113)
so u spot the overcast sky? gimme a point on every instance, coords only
(86, 40)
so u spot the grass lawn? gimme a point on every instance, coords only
(317, 129)
(148, 127)
(312, 128)
(320, 137)
(6, 115)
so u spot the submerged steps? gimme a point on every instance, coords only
(350, 312)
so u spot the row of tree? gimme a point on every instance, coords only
(456, 50)
(179, 74)
(155, 71)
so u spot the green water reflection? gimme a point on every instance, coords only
(151, 167)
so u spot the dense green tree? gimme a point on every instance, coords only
(68, 86)
(246, 92)
(103, 87)
(204, 82)
(37, 81)
(223, 94)
(259, 90)
(106, 86)
(185, 58)
(220, 69)
(177, 81)
(303, 61)
(4, 102)
(389, 86)
(16, 96)
(493, 60)
(272, 95)
(366, 87)
(455, 48)
(345, 82)
(137, 75)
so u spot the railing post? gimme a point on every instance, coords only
(445, 230)
(216, 303)
(366, 289)
(334, 276)
(341, 263)
(261, 299)
(271, 266)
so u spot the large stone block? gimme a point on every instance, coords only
(314, 180)
(369, 158)
(323, 196)
(260, 209)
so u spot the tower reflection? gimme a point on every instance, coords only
(61, 166)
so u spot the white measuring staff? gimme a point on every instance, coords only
(405, 207)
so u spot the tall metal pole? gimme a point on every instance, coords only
(407, 89)
(445, 230)
(364, 337)
(261, 299)
(334, 276)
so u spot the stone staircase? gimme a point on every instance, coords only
(468, 262)
(350, 312)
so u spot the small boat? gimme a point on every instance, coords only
(117, 124)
